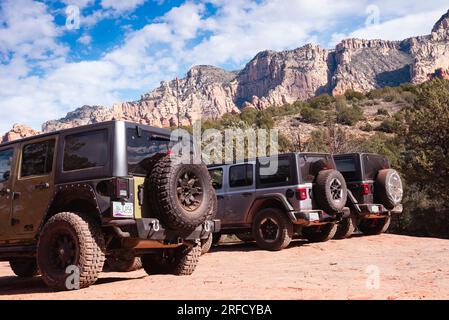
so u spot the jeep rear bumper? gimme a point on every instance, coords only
(376, 210)
(317, 217)
(152, 229)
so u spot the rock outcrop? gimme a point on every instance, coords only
(276, 78)
(18, 131)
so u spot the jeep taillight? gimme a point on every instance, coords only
(121, 187)
(301, 194)
(366, 189)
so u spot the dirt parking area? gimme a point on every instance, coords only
(377, 267)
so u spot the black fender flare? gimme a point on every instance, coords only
(273, 199)
(67, 196)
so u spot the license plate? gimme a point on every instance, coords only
(375, 209)
(314, 216)
(122, 210)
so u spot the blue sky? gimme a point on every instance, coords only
(56, 56)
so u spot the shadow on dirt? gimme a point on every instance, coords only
(250, 246)
(11, 285)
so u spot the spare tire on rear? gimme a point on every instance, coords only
(181, 195)
(388, 188)
(330, 191)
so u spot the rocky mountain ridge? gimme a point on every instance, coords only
(277, 78)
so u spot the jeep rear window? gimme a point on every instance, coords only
(372, 164)
(348, 168)
(311, 165)
(5, 164)
(86, 150)
(141, 147)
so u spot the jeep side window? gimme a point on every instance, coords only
(281, 177)
(5, 164)
(37, 158)
(85, 150)
(241, 175)
(216, 176)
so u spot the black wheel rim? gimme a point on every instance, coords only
(269, 230)
(63, 251)
(336, 190)
(190, 191)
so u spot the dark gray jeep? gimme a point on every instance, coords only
(70, 199)
(305, 195)
(374, 193)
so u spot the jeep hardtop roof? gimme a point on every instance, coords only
(267, 157)
(357, 154)
(128, 124)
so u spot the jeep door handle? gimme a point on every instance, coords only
(220, 197)
(42, 186)
(247, 194)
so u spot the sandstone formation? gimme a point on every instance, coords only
(18, 131)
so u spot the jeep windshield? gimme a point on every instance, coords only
(141, 146)
(311, 164)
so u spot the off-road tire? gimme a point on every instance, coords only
(180, 261)
(24, 268)
(325, 193)
(321, 233)
(122, 264)
(388, 189)
(245, 237)
(87, 241)
(276, 219)
(206, 244)
(163, 187)
(345, 228)
(373, 227)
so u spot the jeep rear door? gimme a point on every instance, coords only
(33, 188)
(240, 191)
(7, 170)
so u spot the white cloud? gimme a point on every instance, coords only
(120, 5)
(395, 29)
(79, 3)
(27, 30)
(85, 39)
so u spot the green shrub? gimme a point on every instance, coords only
(323, 101)
(249, 115)
(354, 95)
(367, 127)
(349, 116)
(382, 112)
(387, 126)
(310, 115)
